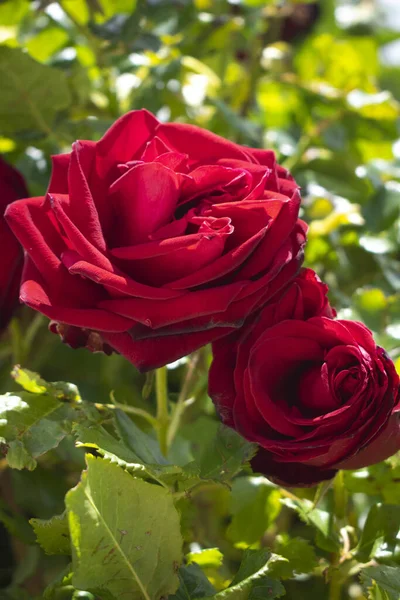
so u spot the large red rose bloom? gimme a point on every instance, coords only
(158, 238)
(12, 187)
(317, 395)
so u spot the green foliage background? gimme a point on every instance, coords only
(318, 82)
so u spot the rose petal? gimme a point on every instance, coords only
(290, 474)
(151, 354)
(204, 145)
(83, 212)
(144, 199)
(174, 310)
(59, 174)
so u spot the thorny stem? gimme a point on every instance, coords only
(162, 408)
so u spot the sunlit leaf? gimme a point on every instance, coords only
(53, 534)
(123, 525)
(32, 94)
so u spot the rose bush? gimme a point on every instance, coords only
(317, 395)
(158, 239)
(12, 187)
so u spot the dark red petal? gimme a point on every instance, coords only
(155, 353)
(202, 144)
(34, 295)
(384, 445)
(263, 157)
(168, 267)
(154, 148)
(36, 233)
(281, 227)
(10, 272)
(144, 199)
(124, 141)
(82, 209)
(114, 281)
(225, 264)
(59, 174)
(174, 310)
(221, 386)
(81, 243)
(289, 474)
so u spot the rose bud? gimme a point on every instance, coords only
(317, 395)
(159, 238)
(12, 187)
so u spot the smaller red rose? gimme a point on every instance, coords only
(12, 187)
(317, 395)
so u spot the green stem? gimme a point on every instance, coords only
(180, 406)
(335, 587)
(162, 408)
(321, 491)
(131, 410)
(340, 496)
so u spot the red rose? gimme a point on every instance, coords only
(160, 238)
(12, 187)
(316, 395)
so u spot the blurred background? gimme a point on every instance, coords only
(318, 82)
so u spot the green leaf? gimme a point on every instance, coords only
(211, 557)
(251, 582)
(193, 584)
(372, 306)
(226, 456)
(53, 534)
(116, 451)
(95, 436)
(19, 458)
(386, 578)
(115, 7)
(32, 382)
(46, 43)
(382, 524)
(125, 534)
(322, 521)
(142, 444)
(255, 504)
(31, 94)
(266, 588)
(300, 554)
(380, 480)
(375, 592)
(11, 13)
(78, 10)
(32, 424)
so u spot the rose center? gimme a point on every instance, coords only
(314, 390)
(346, 383)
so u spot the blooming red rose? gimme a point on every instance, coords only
(316, 395)
(12, 187)
(159, 238)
